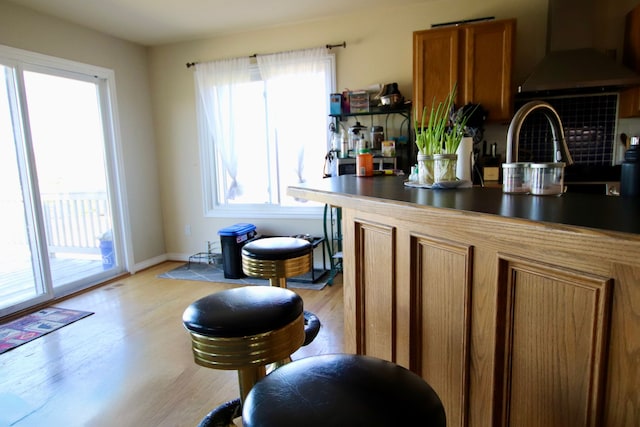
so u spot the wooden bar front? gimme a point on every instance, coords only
(514, 322)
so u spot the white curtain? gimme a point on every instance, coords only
(291, 80)
(288, 76)
(216, 82)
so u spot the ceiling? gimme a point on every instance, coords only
(155, 22)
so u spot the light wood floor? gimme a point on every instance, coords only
(130, 364)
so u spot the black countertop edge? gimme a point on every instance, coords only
(600, 212)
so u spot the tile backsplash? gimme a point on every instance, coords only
(589, 125)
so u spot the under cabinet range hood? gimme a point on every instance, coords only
(572, 62)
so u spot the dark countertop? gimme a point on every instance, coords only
(594, 211)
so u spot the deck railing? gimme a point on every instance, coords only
(74, 222)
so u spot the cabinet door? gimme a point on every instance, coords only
(478, 57)
(436, 64)
(630, 98)
(629, 105)
(441, 272)
(488, 62)
(551, 354)
(370, 314)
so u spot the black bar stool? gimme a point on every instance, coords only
(276, 259)
(335, 390)
(245, 329)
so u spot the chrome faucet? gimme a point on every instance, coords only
(560, 148)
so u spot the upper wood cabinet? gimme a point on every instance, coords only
(478, 57)
(630, 98)
(630, 103)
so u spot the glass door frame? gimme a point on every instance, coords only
(18, 61)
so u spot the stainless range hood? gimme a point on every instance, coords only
(572, 62)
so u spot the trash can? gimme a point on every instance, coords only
(232, 239)
(106, 250)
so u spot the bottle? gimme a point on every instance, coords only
(630, 172)
(413, 176)
(335, 141)
(376, 134)
(364, 161)
(344, 150)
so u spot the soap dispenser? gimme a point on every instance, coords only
(630, 172)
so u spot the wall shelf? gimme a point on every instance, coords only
(405, 151)
(404, 110)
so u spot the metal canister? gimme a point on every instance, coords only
(376, 137)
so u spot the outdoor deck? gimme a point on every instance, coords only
(76, 226)
(18, 284)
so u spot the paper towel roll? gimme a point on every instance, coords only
(465, 159)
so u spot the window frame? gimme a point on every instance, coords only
(209, 164)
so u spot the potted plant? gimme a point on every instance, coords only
(430, 138)
(439, 139)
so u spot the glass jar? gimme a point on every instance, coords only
(547, 179)
(356, 134)
(516, 178)
(444, 167)
(425, 169)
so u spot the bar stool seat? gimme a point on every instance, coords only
(223, 415)
(245, 329)
(342, 390)
(276, 259)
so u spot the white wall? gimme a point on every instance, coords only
(24, 29)
(157, 106)
(379, 50)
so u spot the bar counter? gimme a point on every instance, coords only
(518, 310)
(599, 212)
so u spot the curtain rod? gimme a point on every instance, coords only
(328, 46)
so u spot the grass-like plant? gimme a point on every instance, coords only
(444, 129)
(429, 138)
(455, 133)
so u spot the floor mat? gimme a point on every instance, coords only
(214, 273)
(35, 325)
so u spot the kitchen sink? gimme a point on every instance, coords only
(592, 173)
(599, 179)
(609, 188)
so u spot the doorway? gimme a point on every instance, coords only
(59, 223)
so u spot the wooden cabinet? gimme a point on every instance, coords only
(630, 98)
(515, 320)
(478, 57)
(629, 103)
(552, 333)
(513, 323)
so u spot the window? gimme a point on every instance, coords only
(263, 125)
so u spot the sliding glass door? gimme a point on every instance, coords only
(57, 223)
